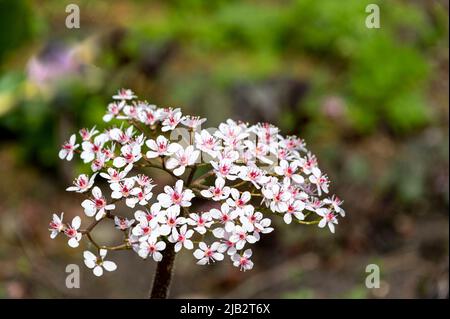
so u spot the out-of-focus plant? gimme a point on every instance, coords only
(380, 75)
(247, 171)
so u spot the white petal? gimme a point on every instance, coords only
(331, 226)
(199, 254)
(287, 218)
(89, 207)
(171, 163)
(179, 171)
(322, 223)
(62, 153)
(97, 192)
(73, 242)
(202, 261)
(76, 222)
(188, 244)
(160, 245)
(98, 271)
(109, 265)
(157, 256)
(119, 162)
(218, 256)
(164, 200)
(89, 263)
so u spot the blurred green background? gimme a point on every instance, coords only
(371, 103)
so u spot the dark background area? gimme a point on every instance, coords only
(372, 104)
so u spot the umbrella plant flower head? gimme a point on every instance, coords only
(250, 174)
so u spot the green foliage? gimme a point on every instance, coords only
(381, 72)
(15, 25)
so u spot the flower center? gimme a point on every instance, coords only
(70, 232)
(176, 198)
(99, 203)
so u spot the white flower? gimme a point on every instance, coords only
(295, 208)
(240, 237)
(336, 202)
(226, 169)
(91, 150)
(176, 196)
(206, 143)
(149, 116)
(96, 206)
(171, 121)
(226, 245)
(72, 232)
(114, 176)
(153, 216)
(68, 148)
(98, 163)
(309, 164)
(225, 216)
(171, 220)
(259, 151)
(161, 147)
(181, 238)
(152, 248)
(86, 134)
(328, 218)
(243, 262)
(181, 159)
(130, 154)
(124, 94)
(314, 204)
(320, 180)
(293, 143)
(123, 223)
(146, 229)
(122, 137)
(219, 192)
(289, 171)
(254, 175)
(250, 219)
(206, 254)
(239, 201)
(122, 189)
(200, 221)
(230, 133)
(228, 154)
(144, 181)
(82, 184)
(56, 226)
(97, 264)
(141, 196)
(277, 196)
(114, 109)
(262, 227)
(129, 112)
(192, 121)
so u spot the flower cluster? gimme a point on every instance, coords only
(250, 173)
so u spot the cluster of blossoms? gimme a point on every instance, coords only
(249, 173)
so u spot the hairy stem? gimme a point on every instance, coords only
(163, 274)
